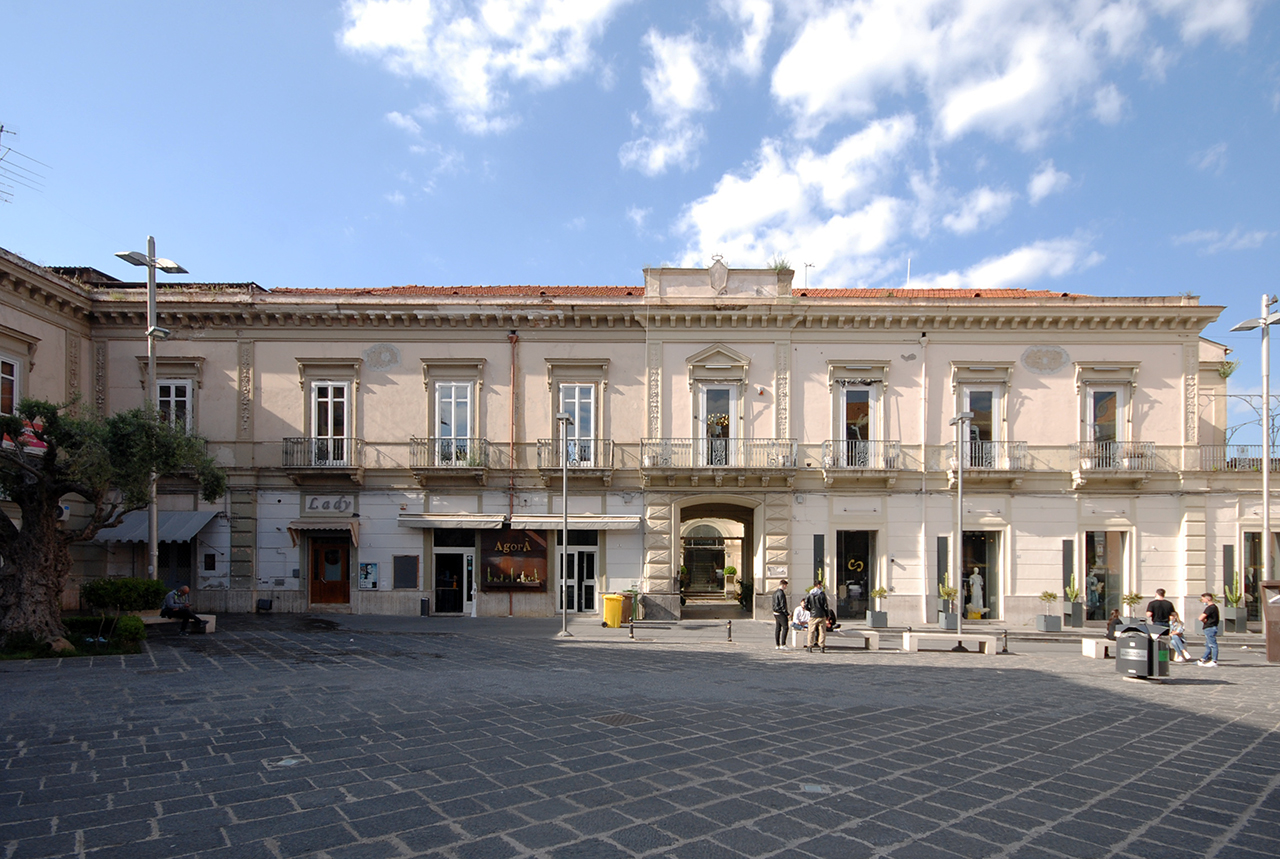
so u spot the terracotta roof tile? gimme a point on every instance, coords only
(639, 291)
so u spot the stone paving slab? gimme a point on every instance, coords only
(396, 737)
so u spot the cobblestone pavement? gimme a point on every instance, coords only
(353, 737)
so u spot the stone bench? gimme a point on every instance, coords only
(986, 643)
(210, 621)
(870, 638)
(1097, 648)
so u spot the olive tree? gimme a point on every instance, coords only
(50, 453)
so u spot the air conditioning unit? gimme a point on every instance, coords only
(64, 512)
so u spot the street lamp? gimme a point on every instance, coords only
(1265, 321)
(151, 263)
(566, 421)
(960, 422)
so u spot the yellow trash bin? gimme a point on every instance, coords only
(612, 610)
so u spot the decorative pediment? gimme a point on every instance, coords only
(173, 367)
(856, 372)
(718, 363)
(980, 373)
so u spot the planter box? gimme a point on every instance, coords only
(1234, 619)
(1074, 615)
(1048, 623)
(948, 619)
(878, 619)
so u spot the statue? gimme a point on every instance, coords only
(977, 603)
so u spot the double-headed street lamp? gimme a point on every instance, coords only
(566, 421)
(1265, 321)
(960, 422)
(154, 333)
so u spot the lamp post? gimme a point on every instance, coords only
(960, 422)
(566, 421)
(1265, 321)
(151, 263)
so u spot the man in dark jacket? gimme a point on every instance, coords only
(816, 604)
(781, 614)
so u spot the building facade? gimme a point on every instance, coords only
(405, 449)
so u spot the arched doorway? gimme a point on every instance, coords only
(717, 553)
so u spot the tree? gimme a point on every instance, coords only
(49, 453)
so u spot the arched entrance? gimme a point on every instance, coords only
(717, 556)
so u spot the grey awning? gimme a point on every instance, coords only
(577, 522)
(173, 527)
(347, 523)
(449, 520)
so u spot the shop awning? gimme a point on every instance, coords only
(577, 522)
(449, 520)
(347, 523)
(173, 527)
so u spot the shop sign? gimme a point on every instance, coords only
(328, 504)
(513, 560)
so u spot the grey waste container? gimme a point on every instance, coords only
(1142, 651)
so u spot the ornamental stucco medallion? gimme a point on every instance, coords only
(1045, 360)
(381, 356)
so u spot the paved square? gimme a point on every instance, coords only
(366, 737)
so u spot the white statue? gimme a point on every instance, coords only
(976, 601)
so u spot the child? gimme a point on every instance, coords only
(1177, 638)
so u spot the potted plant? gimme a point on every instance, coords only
(1234, 615)
(1049, 622)
(1075, 609)
(948, 617)
(877, 619)
(1131, 601)
(731, 581)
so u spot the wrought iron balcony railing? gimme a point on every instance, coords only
(449, 453)
(1235, 457)
(584, 453)
(717, 453)
(996, 455)
(1117, 456)
(871, 455)
(322, 452)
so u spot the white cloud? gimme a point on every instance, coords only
(655, 155)
(1045, 181)
(395, 198)
(1018, 268)
(577, 224)
(1213, 159)
(677, 87)
(755, 17)
(828, 208)
(982, 208)
(1108, 104)
(474, 51)
(1007, 68)
(406, 123)
(638, 216)
(1216, 241)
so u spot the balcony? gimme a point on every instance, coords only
(854, 461)
(717, 458)
(586, 458)
(1234, 458)
(318, 460)
(433, 459)
(992, 462)
(1128, 462)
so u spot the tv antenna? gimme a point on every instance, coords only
(14, 169)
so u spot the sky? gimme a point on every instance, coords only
(1106, 147)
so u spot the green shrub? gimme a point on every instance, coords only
(124, 594)
(126, 628)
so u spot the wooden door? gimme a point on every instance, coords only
(330, 571)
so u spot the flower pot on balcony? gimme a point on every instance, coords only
(1074, 615)
(878, 619)
(1048, 623)
(948, 619)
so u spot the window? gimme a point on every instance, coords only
(173, 399)
(579, 402)
(984, 427)
(453, 422)
(330, 428)
(717, 423)
(9, 395)
(860, 406)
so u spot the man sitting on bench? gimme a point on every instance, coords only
(177, 606)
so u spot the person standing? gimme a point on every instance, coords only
(816, 604)
(781, 615)
(1159, 609)
(1209, 621)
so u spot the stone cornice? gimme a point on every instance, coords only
(41, 287)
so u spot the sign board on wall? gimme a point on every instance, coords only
(368, 577)
(513, 560)
(328, 505)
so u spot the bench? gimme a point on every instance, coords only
(1097, 648)
(210, 621)
(986, 643)
(870, 638)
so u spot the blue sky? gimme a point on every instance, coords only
(1095, 146)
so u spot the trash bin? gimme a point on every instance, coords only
(612, 610)
(627, 608)
(1142, 651)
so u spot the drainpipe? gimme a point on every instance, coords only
(513, 339)
(924, 471)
